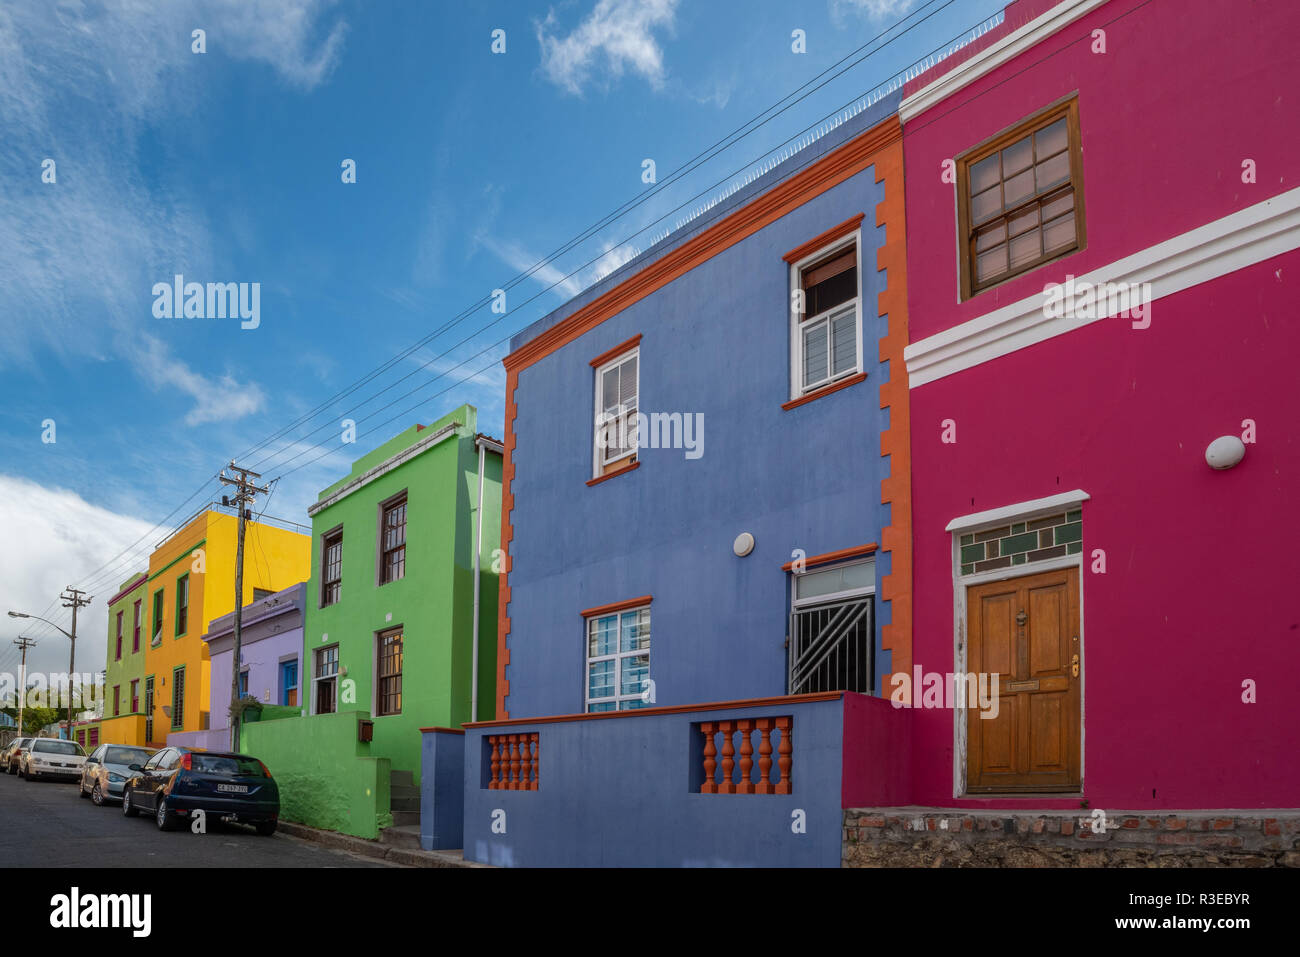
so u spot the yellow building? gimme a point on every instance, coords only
(192, 581)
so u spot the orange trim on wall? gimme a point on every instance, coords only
(669, 709)
(825, 239)
(616, 606)
(604, 357)
(614, 474)
(834, 387)
(833, 168)
(895, 442)
(814, 560)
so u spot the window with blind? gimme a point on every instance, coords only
(182, 604)
(135, 629)
(158, 598)
(618, 660)
(178, 698)
(826, 339)
(388, 670)
(331, 567)
(617, 389)
(325, 680)
(119, 637)
(392, 560)
(1020, 199)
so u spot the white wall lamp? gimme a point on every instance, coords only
(1225, 452)
(743, 545)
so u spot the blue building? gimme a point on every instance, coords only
(706, 525)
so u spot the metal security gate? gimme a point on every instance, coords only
(831, 647)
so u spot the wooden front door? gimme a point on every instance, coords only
(1026, 630)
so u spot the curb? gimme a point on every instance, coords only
(406, 857)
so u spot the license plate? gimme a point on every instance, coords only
(233, 788)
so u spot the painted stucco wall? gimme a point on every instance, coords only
(715, 341)
(130, 667)
(621, 792)
(327, 778)
(1194, 598)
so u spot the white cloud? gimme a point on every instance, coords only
(217, 399)
(56, 536)
(618, 34)
(874, 9)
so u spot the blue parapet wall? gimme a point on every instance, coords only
(621, 791)
(442, 794)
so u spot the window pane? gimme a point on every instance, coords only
(1059, 232)
(832, 580)
(985, 204)
(600, 679)
(1017, 157)
(991, 263)
(991, 237)
(1025, 221)
(1051, 139)
(635, 669)
(627, 382)
(1024, 249)
(1053, 171)
(601, 706)
(845, 344)
(832, 284)
(609, 390)
(602, 635)
(815, 353)
(1059, 205)
(636, 631)
(984, 174)
(1019, 188)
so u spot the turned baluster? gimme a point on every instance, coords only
(525, 762)
(765, 785)
(785, 751)
(537, 761)
(746, 786)
(495, 783)
(710, 765)
(512, 783)
(727, 786)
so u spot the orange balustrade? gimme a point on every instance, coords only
(729, 782)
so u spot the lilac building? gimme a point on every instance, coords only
(270, 646)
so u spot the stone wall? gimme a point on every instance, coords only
(937, 837)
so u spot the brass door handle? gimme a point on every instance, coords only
(1074, 666)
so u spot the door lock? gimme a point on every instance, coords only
(1074, 665)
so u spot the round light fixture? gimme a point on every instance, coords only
(1225, 452)
(743, 545)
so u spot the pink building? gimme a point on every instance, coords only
(1138, 606)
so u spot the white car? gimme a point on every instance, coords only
(52, 758)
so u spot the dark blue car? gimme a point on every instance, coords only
(179, 781)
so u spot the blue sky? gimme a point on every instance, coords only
(225, 167)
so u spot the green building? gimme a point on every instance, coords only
(125, 677)
(390, 627)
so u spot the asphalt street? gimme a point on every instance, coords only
(45, 824)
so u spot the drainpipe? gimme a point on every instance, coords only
(478, 549)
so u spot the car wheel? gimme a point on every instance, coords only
(97, 796)
(266, 828)
(128, 810)
(164, 822)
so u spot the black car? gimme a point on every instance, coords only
(177, 781)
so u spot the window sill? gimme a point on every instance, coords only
(609, 475)
(824, 390)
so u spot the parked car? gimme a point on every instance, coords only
(52, 758)
(9, 756)
(178, 781)
(107, 769)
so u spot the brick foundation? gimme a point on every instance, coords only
(938, 837)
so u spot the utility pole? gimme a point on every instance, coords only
(24, 644)
(72, 598)
(244, 495)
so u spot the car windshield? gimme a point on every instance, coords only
(225, 764)
(57, 747)
(127, 756)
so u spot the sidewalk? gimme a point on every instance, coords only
(405, 856)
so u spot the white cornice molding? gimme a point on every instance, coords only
(384, 467)
(1020, 510)
(1234, 242)
(990, 58)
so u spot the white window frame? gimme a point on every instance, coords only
(334, 677)
(799, 323)
(599, 461)
(588, 659)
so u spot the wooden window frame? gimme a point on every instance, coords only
(178, 712)
(601, 465)
(381, 677)
(182, 626)
(334, 535)
(159, 612)
(800, 321)
(135, 696)
(135, 628)
(120, 615)
(117, 700)
(334, 676)
(1067, 107)
(385, 507)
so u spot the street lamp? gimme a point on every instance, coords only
(72, 653)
